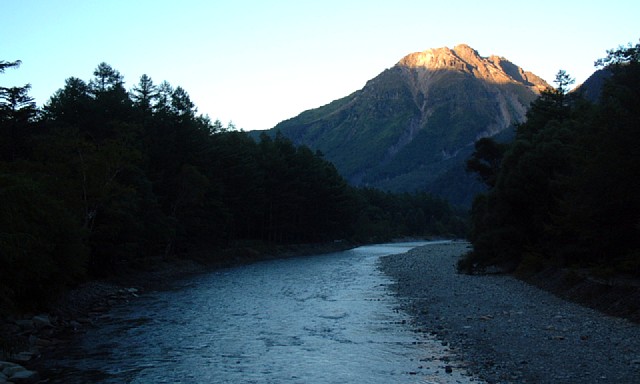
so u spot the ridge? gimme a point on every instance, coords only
(464, 59)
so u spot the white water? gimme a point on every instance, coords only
(321, 319)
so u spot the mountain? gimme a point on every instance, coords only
(592, 87)
(413, 126)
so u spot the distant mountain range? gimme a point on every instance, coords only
(412, 127)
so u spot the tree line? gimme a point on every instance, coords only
(102, 179)
(566, 191)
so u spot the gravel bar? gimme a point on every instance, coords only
(507, 331)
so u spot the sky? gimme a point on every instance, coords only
(256, 63)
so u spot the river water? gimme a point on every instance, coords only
(318, 319)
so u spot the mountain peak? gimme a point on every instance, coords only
(413, 126)
(464, 59)
(465, 50)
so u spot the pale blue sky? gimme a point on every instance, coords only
(260, 62)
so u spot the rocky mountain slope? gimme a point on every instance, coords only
(413, 126)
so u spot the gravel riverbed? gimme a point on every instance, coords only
(507, 331)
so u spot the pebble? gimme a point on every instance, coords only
(507, 331)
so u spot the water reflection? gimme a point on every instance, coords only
(322, 319)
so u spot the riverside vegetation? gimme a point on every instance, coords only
(565, 192)
(102, 180)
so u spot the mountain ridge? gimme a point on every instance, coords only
(464, 58)
(418, 120)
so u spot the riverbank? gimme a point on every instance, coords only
(27, 339)
(508, 331)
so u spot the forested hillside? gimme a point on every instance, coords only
(103, 179)
(566, 191)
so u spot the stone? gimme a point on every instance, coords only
(10, 371)
(25, 377)
(6, 364)
(42, 321)
(22, 357)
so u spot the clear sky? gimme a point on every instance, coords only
(257, 63)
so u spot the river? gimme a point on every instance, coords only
(316, 319)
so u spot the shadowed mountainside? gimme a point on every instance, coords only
(413, 126)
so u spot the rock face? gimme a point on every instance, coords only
(413, 126)
(438, 71)
(463, 58)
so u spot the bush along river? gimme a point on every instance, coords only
(317, 319)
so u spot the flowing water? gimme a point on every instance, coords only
(321, 319)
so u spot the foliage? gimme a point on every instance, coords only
(486, 160)
(17, 109)
(102, 179)
(566, 189)
(42, 246)
(383, 216)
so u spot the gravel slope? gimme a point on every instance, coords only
(507, 331)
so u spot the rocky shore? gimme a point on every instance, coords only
(29, 337)
(508, 331)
